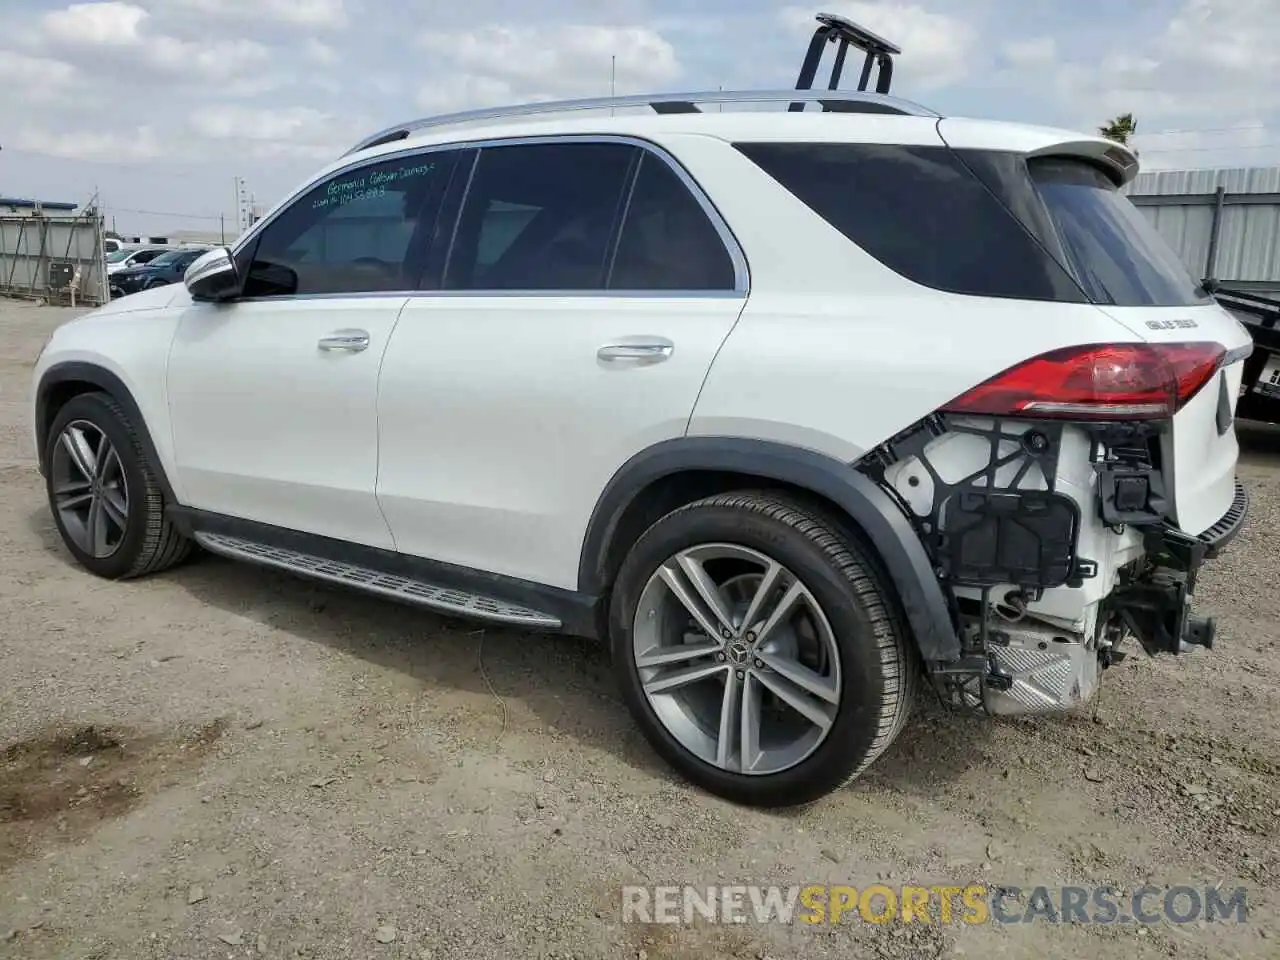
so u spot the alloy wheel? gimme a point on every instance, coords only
(90, 491)
(737, 658)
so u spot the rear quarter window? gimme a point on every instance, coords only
(921, 212)
(1112, 248)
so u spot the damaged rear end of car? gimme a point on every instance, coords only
(1069, 500)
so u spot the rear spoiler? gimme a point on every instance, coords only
(1120, 163)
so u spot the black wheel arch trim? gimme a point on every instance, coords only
(880, 519)
(75, 371)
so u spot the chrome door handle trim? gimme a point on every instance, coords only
(353, 341)
(648, 351)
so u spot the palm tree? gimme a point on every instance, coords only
(1120, 129)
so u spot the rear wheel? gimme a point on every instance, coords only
(106, 501)
(758, 650)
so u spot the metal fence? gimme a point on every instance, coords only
(1225, 224)
(55, 259)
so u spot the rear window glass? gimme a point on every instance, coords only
(921, 212)
(1110, 246)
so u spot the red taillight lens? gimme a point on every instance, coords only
(1113, 381)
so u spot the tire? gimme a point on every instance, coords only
(869, 662)
(146, 542)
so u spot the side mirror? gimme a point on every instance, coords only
(213, 276)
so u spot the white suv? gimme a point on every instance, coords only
(793, 409)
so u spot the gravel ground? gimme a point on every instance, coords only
(227, 762)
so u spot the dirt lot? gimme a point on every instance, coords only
(227, 762)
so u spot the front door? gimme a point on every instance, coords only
(586, 295)
(273, 397)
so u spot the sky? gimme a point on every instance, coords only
(158, 105)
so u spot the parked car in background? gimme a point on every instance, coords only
(111, 245)
(166, 268)
(127, 257)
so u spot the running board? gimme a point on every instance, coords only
(392, 585)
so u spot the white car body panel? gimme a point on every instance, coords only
(822, 362)
(1204, 461)
(500, 427)
(268, 427)
(130, 341)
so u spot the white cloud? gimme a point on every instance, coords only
(53, 78)
(110, 24)
(1215, 58)
(318, 14)
(1031, 52)
(468, 90)
(299, 124)
(136, 144)
(120, 35)
(319, 52)
(937, 48)
(492, 64)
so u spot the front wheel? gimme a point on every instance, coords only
(758, 650)
(106, 500)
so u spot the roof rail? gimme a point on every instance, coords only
(834, 101)
(836, 29)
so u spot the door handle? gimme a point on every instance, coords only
(649, 350)
(353, 341)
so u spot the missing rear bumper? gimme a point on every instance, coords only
(1154, 603)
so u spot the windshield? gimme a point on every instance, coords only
(1111, 247)
(118, 255)
(166, 259)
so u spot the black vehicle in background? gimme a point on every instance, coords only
(167, 268)
(1260, 388)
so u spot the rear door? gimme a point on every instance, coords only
(586, 294)
(1128, 270)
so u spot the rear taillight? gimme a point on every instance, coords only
(1112, 381)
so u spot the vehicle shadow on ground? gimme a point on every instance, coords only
(565, 682)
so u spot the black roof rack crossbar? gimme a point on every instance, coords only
(840, 30)
(674, 106)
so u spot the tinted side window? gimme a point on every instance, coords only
(540, 217)
(364, 230)
(667, 240)
(920, 212)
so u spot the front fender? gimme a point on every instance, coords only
(106, 380)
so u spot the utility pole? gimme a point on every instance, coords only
(613, 81)
(222, 227)
(242, 214)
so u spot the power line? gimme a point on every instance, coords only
(1171, 133)
(1218, 149)
(164, 213)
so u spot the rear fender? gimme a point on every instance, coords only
(867, 507)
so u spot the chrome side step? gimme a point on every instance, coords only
(391, 585)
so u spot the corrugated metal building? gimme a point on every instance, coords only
(1224, 223)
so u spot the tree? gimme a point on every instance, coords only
(1120, 129)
